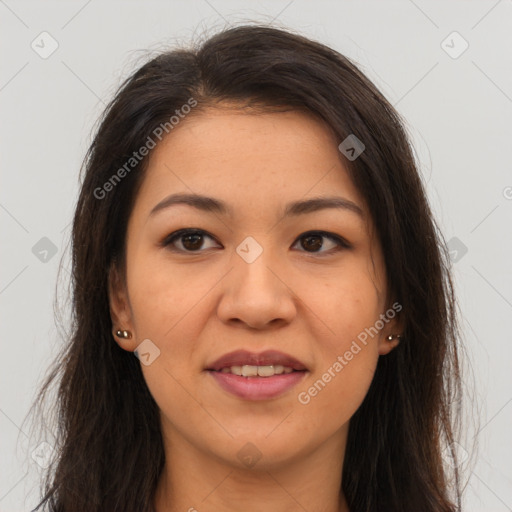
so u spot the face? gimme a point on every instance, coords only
(262, 272)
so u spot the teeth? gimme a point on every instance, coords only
(257, 371)
(237, 370)
(249, 371)
(266, 371)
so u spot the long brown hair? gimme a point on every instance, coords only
(109, 450)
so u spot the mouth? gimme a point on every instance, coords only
(257, 376)
(258, 371)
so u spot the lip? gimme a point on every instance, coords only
(257, 388)
(266, 358)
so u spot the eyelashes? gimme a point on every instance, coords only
(192, 235)
(192, 242)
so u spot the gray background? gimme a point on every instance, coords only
(458, 109)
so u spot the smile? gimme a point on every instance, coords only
(253, 376)
(257, 371)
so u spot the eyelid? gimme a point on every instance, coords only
(337, 239)
(175, 235)
(342, 242)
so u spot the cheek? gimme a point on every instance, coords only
(166, 308)
(347, 306)
(342, 377)
(163, 296)
(347, 354)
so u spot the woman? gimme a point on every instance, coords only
(253, 228)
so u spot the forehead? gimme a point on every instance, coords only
(248, 159)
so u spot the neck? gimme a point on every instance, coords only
(193, 480)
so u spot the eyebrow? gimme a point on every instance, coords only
(212, 205)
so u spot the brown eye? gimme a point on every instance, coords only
(314, 242)
(192, 242)
(187, 240)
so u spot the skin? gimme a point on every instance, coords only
(305, 300)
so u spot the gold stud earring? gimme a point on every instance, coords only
(391, 337)
(123, 334)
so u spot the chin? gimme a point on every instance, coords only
(255, 450)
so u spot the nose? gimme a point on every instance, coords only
(256, 295)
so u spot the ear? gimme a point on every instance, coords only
(120, 309)
(394, 326)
